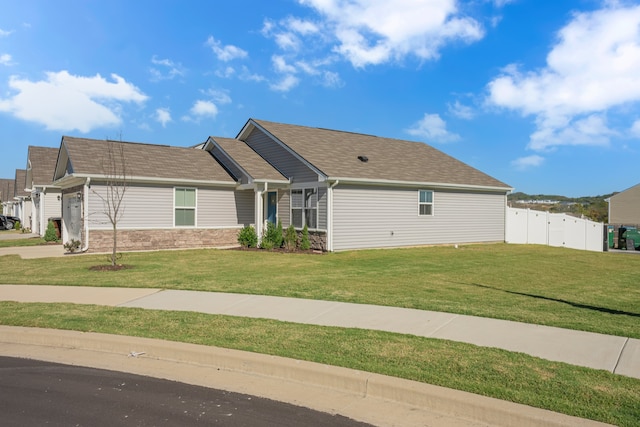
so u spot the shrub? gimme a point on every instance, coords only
(72, 245)
(305, 244)
(247, 237)
(272, 237)
(17, 225)
(50, 235)
(291, 238)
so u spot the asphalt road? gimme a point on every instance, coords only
(35, 393)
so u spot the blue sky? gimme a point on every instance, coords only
(541, 94)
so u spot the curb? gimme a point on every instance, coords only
(363, 396)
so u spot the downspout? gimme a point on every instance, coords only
(330, 216)
(85, 207)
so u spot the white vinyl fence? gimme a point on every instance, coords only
(544, 228)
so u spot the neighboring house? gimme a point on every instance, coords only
(624, 207)
(45, 197)
(361, 191)
(22, 199)
(6, 194)
(175, 198)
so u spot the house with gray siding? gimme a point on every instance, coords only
(361, 191)
(46, 198)
(7, 191)
(175, 197)
(350, 190)
(624, 207)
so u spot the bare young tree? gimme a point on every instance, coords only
(114, 167)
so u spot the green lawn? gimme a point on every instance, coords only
(590, 291)
(32, 241)
(598, 292)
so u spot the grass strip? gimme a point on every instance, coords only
(32, 241)
(516, 377)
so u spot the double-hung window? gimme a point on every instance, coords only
(425, 203)
(185, 207)
(304, 207)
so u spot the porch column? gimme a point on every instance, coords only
(258, 213)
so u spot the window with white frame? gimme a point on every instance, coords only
(304, 207)
(425, 203)
(185, 207)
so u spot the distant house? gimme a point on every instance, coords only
(175, 197)
(45, 197)
(351, 191)
(7, 192)
(624, 207)
(22, 199)
(361, 191)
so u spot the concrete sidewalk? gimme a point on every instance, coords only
(615, 354)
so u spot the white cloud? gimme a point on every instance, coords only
(4, 33)
(248, 76)
(370, 32)
(592, 69)
(281, 66)
(203, 109)
(5, 59)
(287, 83)
(163, 115)
(433, 129)
(461, 111)
(65, 102)
(166, 70)
(528, 162)
(220, 97)
(225, 53)
(635, 129)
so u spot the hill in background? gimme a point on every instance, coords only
(594, 208)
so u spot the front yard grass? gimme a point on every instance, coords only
(32, 241)
(582, 392)
(597, 292)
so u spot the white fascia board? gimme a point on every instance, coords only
(147, 180)
(393, 183)
(285, 146)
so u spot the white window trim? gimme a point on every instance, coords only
(432, 204)
(302, 188)
(195, 208)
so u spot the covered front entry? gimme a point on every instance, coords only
(272, 206)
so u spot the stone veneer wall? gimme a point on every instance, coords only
(318, 240)
(179, 238)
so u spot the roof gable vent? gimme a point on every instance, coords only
(363, 159)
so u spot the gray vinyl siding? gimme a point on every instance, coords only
(52, 206)
(284, 207)
(151, 207)
(144, 207)
(244, 207)
(280, 158)
(216, 208)
(322, 208)
(370, 217)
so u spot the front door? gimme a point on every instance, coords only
(272, 203)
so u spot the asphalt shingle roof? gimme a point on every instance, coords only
(335, 153)
(257, 167)
(7, 189)
(145, 160)
(43, 164)
(21, 182)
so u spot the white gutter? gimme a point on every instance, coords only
(330, 216)
(85, 204)
(395, 183)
